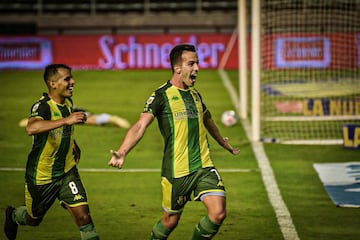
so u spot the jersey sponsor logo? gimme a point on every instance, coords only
(56, 133)
(180, 115)
(59, 133)
(187, 114)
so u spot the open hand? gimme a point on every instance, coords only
(117, 159)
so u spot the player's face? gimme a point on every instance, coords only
(189, 69)
(64, 84)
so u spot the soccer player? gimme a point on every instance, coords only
(51, 171)
(187, 167)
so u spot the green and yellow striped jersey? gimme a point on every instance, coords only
(180, 117)
(52, 154)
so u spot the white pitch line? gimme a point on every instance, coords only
(132, 170)
(282, 213)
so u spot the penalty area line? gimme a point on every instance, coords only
(283, 216)
(133, 170)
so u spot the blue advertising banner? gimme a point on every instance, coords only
(341, 181)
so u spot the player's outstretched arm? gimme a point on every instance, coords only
(133, 136)
(215, 133)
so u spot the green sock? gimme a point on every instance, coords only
(19, 215)
(205, 229)
(88, 232)
(160, 232)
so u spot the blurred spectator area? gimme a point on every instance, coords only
(116, 16)
(172, 16)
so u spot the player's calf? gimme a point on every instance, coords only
(205, 229)
(88, 232)
(160, 232)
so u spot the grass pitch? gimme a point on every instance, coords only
(125, 205)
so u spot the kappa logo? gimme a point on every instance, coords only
(175, 98)
(78, 197)
(220, 184)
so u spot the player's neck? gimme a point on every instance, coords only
(176, 81)
(56, 98)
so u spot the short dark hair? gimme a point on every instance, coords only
(177, 51)
(52, 69)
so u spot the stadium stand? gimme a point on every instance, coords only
(160, 16)
(64, 6)
(9, 7)
(117, 16)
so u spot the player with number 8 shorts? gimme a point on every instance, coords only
(51, 168)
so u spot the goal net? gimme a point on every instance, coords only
(310, 76)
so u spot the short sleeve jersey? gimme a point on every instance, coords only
(52, 153)
(180, 118)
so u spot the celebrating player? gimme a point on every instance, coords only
(51, 170)
(187, 166)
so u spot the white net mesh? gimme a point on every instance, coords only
(310, 68)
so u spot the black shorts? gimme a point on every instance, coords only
(177, 192)
(69, 190)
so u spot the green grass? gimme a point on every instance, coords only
(126, 205)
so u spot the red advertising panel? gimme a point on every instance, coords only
(115, 51)
(29, 52)
(151, 51)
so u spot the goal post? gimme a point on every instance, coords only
(305, 70)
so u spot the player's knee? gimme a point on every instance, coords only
(170, 223)
(218, 217)
(222, 215)
(83, 219)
